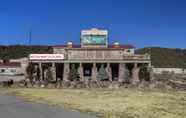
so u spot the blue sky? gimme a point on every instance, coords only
(139, 22)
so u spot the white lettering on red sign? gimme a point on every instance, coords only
(46, 56)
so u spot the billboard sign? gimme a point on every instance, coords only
(46, 56)
(94, 39)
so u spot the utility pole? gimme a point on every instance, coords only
(30, 36)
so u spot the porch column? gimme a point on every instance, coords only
(109, 71)
(53, 71)
(121, 72)
(41, 71)
(94, 72)
(80, 71)
(135, 74)
(66, 71)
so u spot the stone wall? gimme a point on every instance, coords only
(169, 70)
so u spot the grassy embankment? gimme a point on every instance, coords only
(123, 103)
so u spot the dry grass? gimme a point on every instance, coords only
(123, 103)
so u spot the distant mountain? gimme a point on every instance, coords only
(161, 57)
(165, 57)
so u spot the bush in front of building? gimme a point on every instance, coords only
(50, 74)
(73, 74)
(102, 73)
(144, 73)
(126, 75)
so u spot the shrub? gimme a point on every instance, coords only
(50, 74)
(144, 73)
(102, 73)
(73, 74)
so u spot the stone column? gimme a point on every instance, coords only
(41, 71)
(80, 72)
(35, 73)
(45, 74)
(66, 71)
(109, 71)
(121, 72)
(135, 74)
(94, 72)
(53, 71)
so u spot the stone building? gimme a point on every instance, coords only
(13, 69)
(93, 52)
(10, 68)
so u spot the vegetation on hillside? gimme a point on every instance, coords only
(165, 57)
(161, 57)
(19, 51)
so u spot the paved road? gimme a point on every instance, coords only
(14, 107)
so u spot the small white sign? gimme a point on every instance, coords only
(46, 56)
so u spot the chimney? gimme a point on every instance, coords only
(69, 45)
(116, 45)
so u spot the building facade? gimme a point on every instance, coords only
(13, 69)
(93, 52)
(13, 66)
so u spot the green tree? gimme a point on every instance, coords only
(144, 73)
(30, 71)
(165, 57)
(102, 74)
(73, 74)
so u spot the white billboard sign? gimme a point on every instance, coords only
(46, 56)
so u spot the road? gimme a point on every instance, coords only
(14, 107)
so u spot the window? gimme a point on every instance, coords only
(13, 70)
(2, 70)
(128, 51)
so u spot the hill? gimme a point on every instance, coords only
(19, 51)
(161, 57)
(165, 57)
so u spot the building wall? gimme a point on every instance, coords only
(10, 70)
(96, 53)
(24, 64)
(170, 70)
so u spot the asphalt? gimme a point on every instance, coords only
(14, 107)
